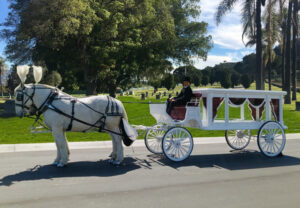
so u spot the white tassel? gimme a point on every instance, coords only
(37, 73)
(22, 72)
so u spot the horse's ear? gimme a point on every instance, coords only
(37, 73)
(22, 73)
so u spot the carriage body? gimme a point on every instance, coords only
(265, 108)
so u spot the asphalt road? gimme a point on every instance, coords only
(212, 177)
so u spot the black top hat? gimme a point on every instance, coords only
(188, 79)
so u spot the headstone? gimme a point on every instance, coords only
(157, 96)
(297, 106)
(165, 94)
(146, 94)
(152, 93)
(176, 93)
(9, 108)
(131, 93)
(143, 96)
(121, 94)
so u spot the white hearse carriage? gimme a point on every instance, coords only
(170, 136)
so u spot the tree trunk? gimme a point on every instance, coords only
(294, 50)
(269, 73)
(283, 28)
(283, 62)
(112, 91)
(288, 56)
(259, 70)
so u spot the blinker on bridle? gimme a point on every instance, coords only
(20, 98)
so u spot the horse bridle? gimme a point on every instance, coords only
(20, 97)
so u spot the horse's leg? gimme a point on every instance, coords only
(62, 147)
(119, 147)
(120, 153)
(57, 159)
(113, 155)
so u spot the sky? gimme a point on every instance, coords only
(227, 37)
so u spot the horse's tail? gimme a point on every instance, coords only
(129, 134)
(124, 114)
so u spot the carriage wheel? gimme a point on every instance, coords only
(154, 137)
(271, 139)
(238, 139)
(177, 144)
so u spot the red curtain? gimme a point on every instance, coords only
(253, 104)
(275, 108)
(237, 101)
(216, 103)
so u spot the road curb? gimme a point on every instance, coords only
(5, 148)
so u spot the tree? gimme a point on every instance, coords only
(270, 36)
(235, 79)
(196, 80)
(169, 82)
(205, 80)
(155, 84)
(225, 80)
(13, 80)
(53, 79)
(246, 81)
(227, 5)
(114, 43)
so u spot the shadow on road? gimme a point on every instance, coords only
(236, 160)
(100, 168)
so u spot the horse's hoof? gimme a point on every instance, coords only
(55, 163)
(60, 165)
(116, 163)
(110, 155)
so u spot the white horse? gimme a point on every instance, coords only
(63, 112)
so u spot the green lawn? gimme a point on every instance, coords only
(16, 130)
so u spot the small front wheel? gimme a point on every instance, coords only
(154, 137)
(238, 139)
(271, 139)
(177, 144)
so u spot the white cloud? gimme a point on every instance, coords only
(212, 60)
(228, 34)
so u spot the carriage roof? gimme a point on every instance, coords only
(239, 92)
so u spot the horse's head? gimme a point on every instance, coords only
(24, 93)
(24, 100)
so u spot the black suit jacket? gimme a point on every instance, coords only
(184, 96)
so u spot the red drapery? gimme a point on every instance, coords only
(275, 108)
(255, 103)
(216, 103)
(237, 101)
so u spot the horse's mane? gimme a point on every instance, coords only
(50, 87)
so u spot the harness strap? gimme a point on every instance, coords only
(47, 102)
(51, 107)
(107, 107)
(72, 116)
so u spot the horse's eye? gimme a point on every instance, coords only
(19, 97)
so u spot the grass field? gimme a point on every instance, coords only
(16, 130)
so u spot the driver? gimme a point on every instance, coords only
(183, 98)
